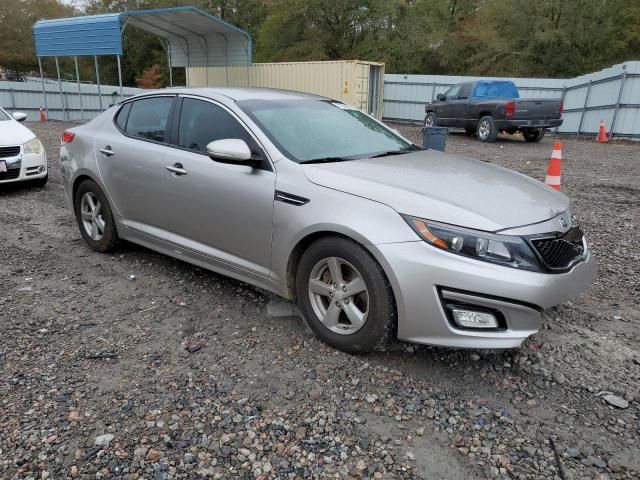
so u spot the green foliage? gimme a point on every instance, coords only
(552, 38)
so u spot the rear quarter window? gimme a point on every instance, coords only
(148, 118)
(122, 115)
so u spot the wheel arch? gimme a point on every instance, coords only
(303, 244)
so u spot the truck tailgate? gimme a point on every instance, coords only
(537, 109)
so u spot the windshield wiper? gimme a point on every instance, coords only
(327, 160)
(401, 151)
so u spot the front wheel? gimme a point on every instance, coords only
(533, 134)
(430, 120)
(345, 296)
(487, 129)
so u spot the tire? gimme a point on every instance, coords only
(106, 237)
(487, 129)
(40, 182)
(318, 297)
(430, 120)
(533, 135)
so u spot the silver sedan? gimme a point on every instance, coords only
(304, 196)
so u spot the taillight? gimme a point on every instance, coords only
(510, 109)
(561, 106)
(67, 137)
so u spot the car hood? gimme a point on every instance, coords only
(446, 188)
(13, 133)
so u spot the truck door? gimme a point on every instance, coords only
(445, 109)
(460, 106)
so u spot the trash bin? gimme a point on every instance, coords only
(435, 138)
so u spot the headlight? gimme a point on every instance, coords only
(500, 249)
(33, 146)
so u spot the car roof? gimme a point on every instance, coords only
(239, 93)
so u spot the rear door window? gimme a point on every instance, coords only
(149, 117)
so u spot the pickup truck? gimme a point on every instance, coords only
(486, 107)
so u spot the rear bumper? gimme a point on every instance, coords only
(424, 279)
(521, 124)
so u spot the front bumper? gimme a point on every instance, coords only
(24, 167)
(424, 278)
(522, 124)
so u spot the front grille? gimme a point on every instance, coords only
(9, 151)
(559, 253)
(10, 174)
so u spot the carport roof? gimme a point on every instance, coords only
(192, 37)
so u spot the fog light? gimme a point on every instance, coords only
(474, 319)
(41, 169)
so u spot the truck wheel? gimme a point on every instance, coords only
(430, 120)
(487, 129)
(533, 134)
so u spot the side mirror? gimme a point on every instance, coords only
(19, 116)
(230, 150)
(441, 97)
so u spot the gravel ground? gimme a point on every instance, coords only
(135, 365)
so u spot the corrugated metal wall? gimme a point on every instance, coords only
(354, 82)
(612, 95)
(27, 97)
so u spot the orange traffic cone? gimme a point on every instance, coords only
(555, 167)
(602, 133)
(43, 116)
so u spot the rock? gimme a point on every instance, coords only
(474, 357)
(301, 433)
(153, 455)
(371, 397)
(616, 401)
(572, 453)
(410, 456)
(103, 440)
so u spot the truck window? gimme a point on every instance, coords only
(452, 93)
(495, 89)
(465, 90)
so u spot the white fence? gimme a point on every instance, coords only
(612, 95)
(27, 97)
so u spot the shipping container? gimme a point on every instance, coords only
(355, 82)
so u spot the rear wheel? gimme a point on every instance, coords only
(94, 217)
(430, 120)
(345, 296)
(533, 134)
(487, 129)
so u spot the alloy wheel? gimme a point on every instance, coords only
(339, 295)
(484, 129)
(91, 215)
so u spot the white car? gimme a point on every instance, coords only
(22, 156)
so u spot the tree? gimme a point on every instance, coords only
(16, 38)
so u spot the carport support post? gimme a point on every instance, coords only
(64, 110)
(95, 61)
(170, 66)
(44, 91)
(120, 78)
(75, 60)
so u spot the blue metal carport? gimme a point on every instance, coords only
(190, 37)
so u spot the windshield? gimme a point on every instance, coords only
(307, 130)
(491, 89)
(4, 115)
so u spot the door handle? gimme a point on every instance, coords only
(106, 151)
(176, 169)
